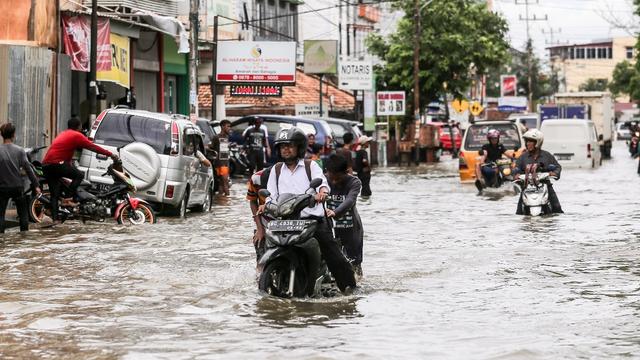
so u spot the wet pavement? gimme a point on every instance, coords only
(448, 274)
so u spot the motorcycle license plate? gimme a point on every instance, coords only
(287, 225)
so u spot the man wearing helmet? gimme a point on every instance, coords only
(544, 160)
(490, 152)
(293, 175)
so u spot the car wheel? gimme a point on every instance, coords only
(206, 204)
(180, 210)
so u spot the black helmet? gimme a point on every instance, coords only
(294, 136)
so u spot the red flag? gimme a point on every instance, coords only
(77, 41)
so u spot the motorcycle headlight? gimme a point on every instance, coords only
(506, 172)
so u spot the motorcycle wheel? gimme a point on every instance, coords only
(144, 214)
(274, 279)
(38, 210)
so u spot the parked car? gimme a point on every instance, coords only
(274, 123)
(162, 157)
(574, 142)
(623, 131)
(444, 134)
(476, 135)
(339, 127)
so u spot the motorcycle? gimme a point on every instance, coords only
(292, 264)
(502, 168)
(98, 202)
(535, 191)
(238, 160)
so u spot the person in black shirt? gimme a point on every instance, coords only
(544, 161)
(362, 167)
(257, 142)
(490, 152)
(341, 206)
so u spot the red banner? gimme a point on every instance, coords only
(77, 42)
(508, 84)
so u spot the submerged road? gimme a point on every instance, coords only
(448, 274)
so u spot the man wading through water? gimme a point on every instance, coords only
(293, 176)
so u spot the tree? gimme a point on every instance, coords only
(594, 85)
(458, 38)
(623, 75)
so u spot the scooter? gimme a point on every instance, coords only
(98, 203)
(535, 191)
(292, 264)
(238, 160)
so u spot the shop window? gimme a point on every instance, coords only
(580, 53)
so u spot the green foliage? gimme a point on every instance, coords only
(457, 38)
(623, 74)
(594, 85)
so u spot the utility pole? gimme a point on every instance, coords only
(551, 32)
(416, 63)
(529, 49)
(93, 64)
(214, 60)
(193, 62)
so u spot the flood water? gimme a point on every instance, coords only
(448, 275)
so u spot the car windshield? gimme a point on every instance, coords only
(121, 129)
(530, 122)
(476, 136)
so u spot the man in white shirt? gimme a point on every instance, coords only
(291, 145)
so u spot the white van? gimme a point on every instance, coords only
(574, 142)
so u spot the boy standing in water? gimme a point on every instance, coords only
(341, 205)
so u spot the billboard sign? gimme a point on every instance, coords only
(321, 56)
(508, 85)
(355, 75)
(512, 103)
(120, 72)
(390, 103)
(256, 62)
(76, 36)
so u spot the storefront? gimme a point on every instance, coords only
(176, 80)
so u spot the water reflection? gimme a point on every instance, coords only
(302, 313)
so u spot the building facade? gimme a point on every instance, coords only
(577, 63)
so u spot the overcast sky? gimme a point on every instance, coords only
(573, 21)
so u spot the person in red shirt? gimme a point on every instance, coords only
(57, 163)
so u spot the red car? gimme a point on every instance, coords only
(444, 133)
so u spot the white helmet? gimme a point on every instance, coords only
(535, 135)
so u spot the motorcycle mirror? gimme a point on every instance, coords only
(315, 183)
(264, 193)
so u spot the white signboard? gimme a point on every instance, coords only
(320, 56)
(512, 103)
(390, 103)
(355, 75)
(256, 62)
(310, 110)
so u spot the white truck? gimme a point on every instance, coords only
(598, 107)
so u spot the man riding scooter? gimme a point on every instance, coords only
(490, 153)
(543, 161)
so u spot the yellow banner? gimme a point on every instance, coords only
(120, 61)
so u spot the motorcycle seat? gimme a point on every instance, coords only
(84, 195)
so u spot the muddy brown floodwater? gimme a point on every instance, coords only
(448, 274)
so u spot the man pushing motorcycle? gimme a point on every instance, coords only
(57, 163)
(293, 175)
(542, 160)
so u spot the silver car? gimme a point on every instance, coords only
(166, 170)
